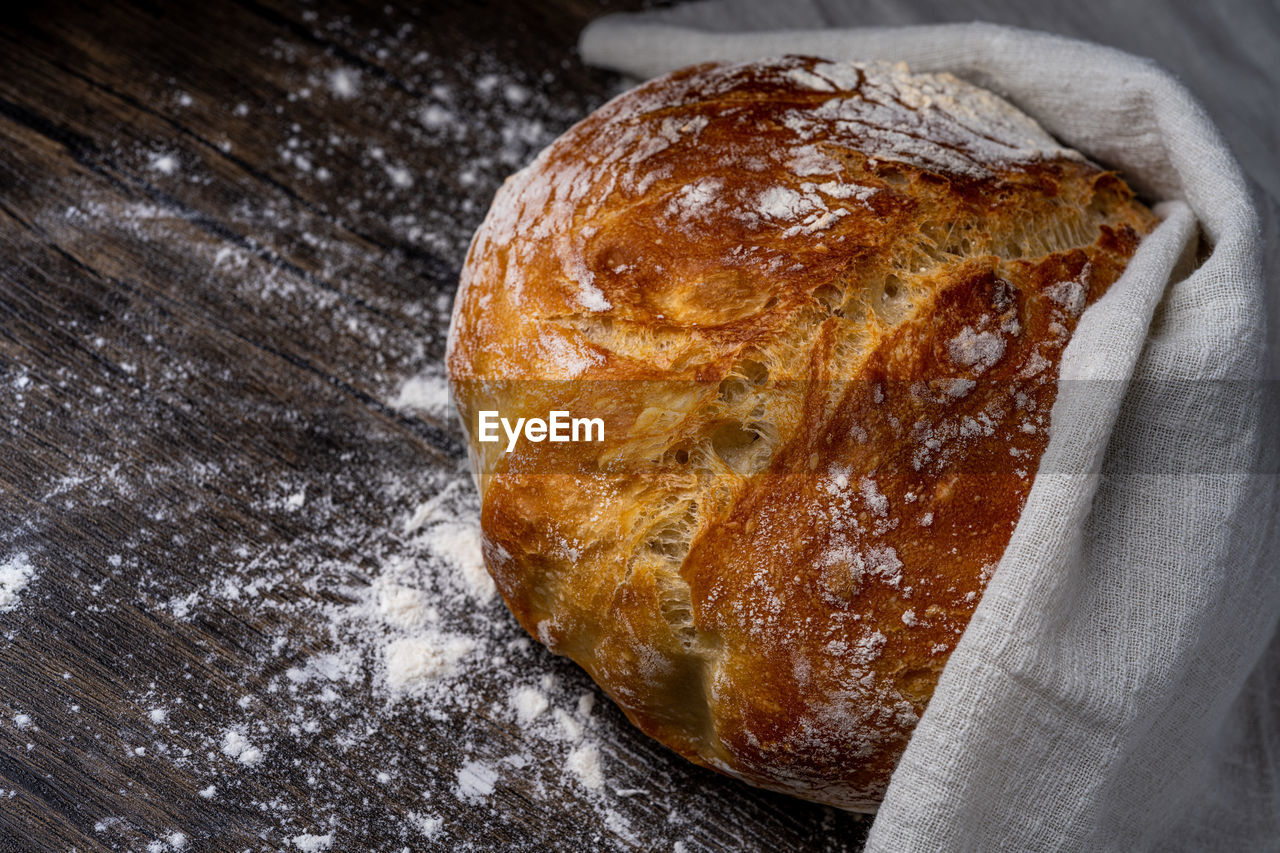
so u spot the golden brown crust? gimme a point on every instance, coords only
(820, 308)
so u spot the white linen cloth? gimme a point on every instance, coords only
(1119, 685)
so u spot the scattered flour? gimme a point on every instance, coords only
(236, 745)
(565, 356)
(458, 543)
(977, 350)
(413, 662)
(584, 763)
(696, 199)
(401, 606)
(400, 176)
(475, 781)
(436, 117)
(591, 298)
(427, 392)
(875, 499)
(344, 83)
(165, 164)
(785, 204)
(15, 575)
(528, 704)
(309, 843)
(1070, 295)
(427, 825)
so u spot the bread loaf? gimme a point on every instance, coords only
(818, 309)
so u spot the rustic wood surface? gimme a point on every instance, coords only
(218, 263)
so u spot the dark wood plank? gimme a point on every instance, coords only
(229, 233)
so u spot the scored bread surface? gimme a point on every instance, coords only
(820, 309)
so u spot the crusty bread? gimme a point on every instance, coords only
(820, 309)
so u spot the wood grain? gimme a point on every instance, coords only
(196, 324)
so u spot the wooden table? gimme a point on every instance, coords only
(229, 234)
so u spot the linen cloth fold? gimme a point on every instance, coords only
(1119, 685)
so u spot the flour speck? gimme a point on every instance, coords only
(584, 762)
(428, 392)
(413, 662)
(344, 83)
(475, 781)
(308, 843)
(165, 164)
(15, 574)
(236, 745)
